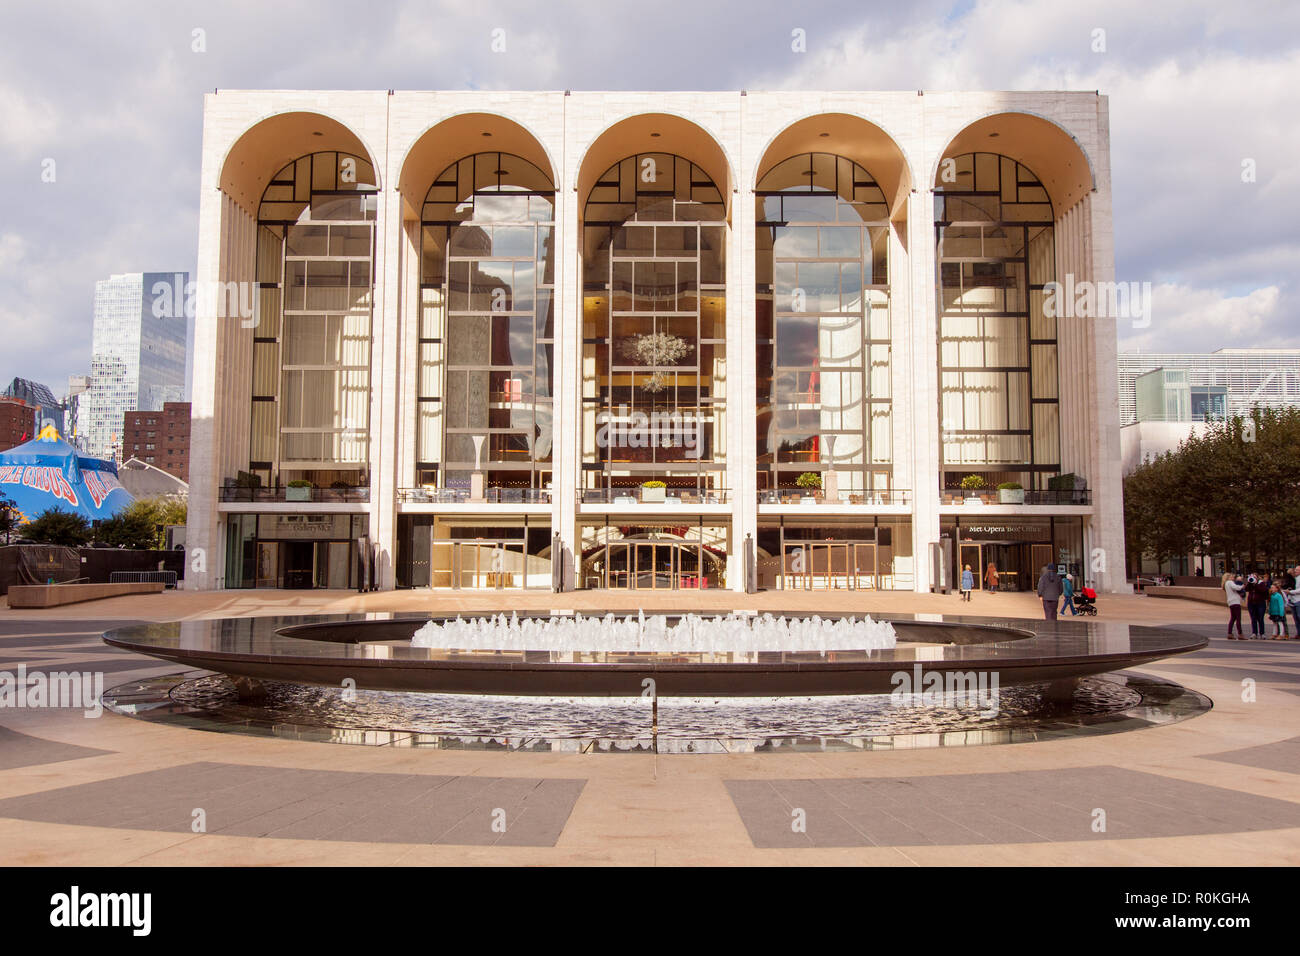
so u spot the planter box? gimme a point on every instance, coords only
(653, 495)
(973, 500)
(297, 494)
(1011, 496)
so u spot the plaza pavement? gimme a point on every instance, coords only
(1222, 788)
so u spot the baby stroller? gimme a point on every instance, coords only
(1085, 602)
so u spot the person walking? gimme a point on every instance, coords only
(1067, 594)
(1256, 605)
(967, 583)
(1049, 589)
(1277, 612)
(991, 578)
(1234, 589)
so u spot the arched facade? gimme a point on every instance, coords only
(646, 341)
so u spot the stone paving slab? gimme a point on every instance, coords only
(998, 808)
(22, 750)
(247, 800)
(1284, 755)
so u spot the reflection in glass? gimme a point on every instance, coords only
(823, 389)
(487, 286)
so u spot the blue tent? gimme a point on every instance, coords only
(47, 472)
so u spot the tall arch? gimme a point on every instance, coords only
(1059, 161)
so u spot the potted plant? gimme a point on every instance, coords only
(972, 484)
(809, 481)
(298, 490)
(1011, 493)
(653, 491)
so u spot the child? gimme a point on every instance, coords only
(1277, 612)
(967, 583)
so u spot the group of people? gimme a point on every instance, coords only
(1272, 595)
(968, 580)
(1052, 588)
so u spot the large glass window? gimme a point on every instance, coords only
(486, 332)
(311, 344)
(997, 350)
(823, 368)
(654, 327)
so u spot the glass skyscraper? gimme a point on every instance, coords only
(138, 352)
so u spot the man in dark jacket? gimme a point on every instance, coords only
(1049, 589)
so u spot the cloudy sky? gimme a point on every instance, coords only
(112, 93)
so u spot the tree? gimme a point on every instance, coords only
(56, 526)
(142, 524)
(127, 529)
(1233, 491)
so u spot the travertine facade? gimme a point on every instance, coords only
(901, 138)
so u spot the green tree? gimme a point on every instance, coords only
(56, 526)
(142, 524)
(1233, 490)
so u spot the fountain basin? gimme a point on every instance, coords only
(330, 650)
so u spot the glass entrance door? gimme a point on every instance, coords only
(971, 556)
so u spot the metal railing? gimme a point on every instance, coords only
(672, 497)
(1047, 496)
(279, 494)
(492, 496)
(815, 496)
(165, 578)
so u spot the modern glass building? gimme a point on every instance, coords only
(1201, 386)
(138, 354)
(49, 410)
(652, 341)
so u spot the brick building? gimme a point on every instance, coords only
(16, 420)
(161, 439)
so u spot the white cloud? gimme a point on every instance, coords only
(1187, 319)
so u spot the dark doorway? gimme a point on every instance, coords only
(299, 564)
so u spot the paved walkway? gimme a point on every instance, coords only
(1222, 788)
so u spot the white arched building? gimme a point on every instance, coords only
(652, 340)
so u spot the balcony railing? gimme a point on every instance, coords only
(1049, 496)
(815, 496)
(492, 496)
(292, 495)
(650, 497)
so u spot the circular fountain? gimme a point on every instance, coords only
(703, 683)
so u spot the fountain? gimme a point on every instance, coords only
(735, 633)
(571, 682)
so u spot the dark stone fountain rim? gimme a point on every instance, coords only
(259, 648)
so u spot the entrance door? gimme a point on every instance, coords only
(971, 554)
(1039, 556)
(864, 566)
(299, 564)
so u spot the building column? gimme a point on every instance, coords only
(391, 256)
(922, 381)
(742, 360)
(566, 415)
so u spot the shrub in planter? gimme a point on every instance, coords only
(809, 479)
(972, 483)
(298, 490)
(1011, 493)
(653, 490)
